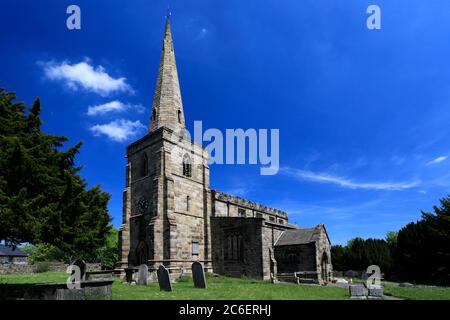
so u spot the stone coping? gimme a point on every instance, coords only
(63, 285)
(222, 196)
(100, 272)
(89, 290)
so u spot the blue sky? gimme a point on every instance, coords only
(363, 115)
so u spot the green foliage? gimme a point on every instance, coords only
(339, 257)
(43, 267)
(423, 247)
(360, 253)
(419, 252)
(391, 238)
(43, 252)
(108, 254)
(43, 199)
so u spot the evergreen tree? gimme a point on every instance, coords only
(43, 199)
(423, 247)
(339, 257)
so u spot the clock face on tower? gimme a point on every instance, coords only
(142, 205)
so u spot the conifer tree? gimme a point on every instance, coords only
(43, 199)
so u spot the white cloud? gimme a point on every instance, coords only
(240, 192)
(203, 32)
(345, 182)
(118, 130)
(85, 76)
(437, 160)
(113, 106)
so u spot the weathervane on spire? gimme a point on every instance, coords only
(168, 13)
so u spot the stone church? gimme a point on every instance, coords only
(172, 217)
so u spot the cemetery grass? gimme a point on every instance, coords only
(226, 288)
(418, 293)
(44, 277)
(219, 288)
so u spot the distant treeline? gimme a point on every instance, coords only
(419, 252)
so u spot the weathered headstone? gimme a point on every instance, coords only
(198, 275)
(142, 279)
(82, 265)
(164, 279)
(356, 291)
(376, 291)
(184, 273)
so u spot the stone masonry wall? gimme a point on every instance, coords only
(52, 266)
(225, 205)
(250, 229)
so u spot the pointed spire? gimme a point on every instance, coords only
(167, 109)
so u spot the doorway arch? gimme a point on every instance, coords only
(142, 253)
(324, 268)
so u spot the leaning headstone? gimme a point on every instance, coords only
(406, 285)
(164, 279)
(142, 279)
(356, 291)
(82, 265)
(198, 275)
(183, 273)
(129, 275)
(375, 291)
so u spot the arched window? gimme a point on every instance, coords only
(188, 203)
(233, 247)
(154, 114)
(144, 165)
(179, 116)
(187, 166)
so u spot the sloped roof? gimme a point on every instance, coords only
(9, 252)
(298, 236)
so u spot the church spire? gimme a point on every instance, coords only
(167, 109)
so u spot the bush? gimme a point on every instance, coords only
(42, 267)
(43, 252)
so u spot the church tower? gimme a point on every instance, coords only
(167, 198)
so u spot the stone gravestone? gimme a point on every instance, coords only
(198, 274)
(164, 279)
(376, 291)
(356, 291)
(82, 265)
(184, 273)
(142, 278)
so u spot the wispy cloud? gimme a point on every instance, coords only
(437, 160)
(118, 130)
(306, 175)
(83, 75)
(203, 32)
(113, 107)
(240, 191)
(397, 160)
(329, 211)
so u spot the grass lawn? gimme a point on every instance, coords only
(418, 293)
(225, 288)
(415, 293)
(218, 288)
(43, 277)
